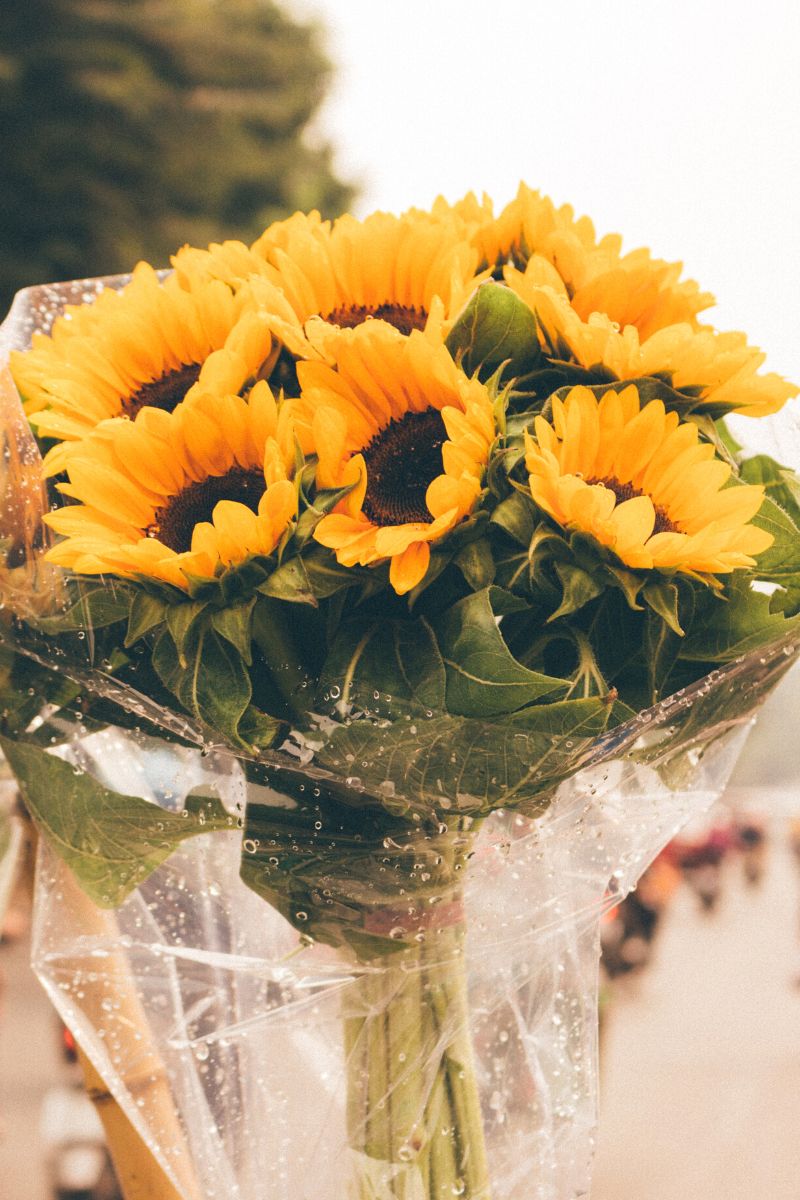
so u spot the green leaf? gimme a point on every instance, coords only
(258, 729)
(496, 327)
(327, 862)
(462, 766)
(587, 717)
(782, 485)
(780, 562)
(110, 841)
(615, 634)
(180, 619)
(390, 668)
(26, 687)
(724, 628)
(91, 606)
(483, 677)
(210, 681)
(146, 612)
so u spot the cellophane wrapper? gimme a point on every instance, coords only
(435, 1031)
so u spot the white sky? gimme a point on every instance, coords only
(676, 123)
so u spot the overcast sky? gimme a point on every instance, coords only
(673, 123)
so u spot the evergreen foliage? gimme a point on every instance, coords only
(128, 127)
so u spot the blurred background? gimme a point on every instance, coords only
(128, 127)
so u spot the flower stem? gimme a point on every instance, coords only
(414, 1118)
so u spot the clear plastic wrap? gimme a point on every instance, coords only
(252, 1032)
(413, 1013)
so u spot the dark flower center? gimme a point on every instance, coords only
(402, 317)
(626, 491)
(174, 523)
(402, 460)
(284, 374)
(165, 392)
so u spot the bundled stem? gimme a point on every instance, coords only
(414, 1118)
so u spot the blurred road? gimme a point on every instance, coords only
(701, 1086)
(29, 1065)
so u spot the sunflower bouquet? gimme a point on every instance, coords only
(406, 524)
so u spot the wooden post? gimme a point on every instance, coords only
(141, 1070)
(140, 1175)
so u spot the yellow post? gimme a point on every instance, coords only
(140, 1067)
(140, 1175)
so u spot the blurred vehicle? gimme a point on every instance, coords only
(699, 856)
(77, 1159)
(628, 930)
(751, 841)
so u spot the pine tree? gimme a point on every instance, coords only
(128, 127)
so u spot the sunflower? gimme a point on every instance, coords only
(146, 345)
(471, 213)
(413, 272)
(173, 495)
(398, 422)
(643, 484)
(720, 371)
(233, 262)
(561, 250)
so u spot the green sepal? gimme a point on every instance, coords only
(517, 516)
(324, 501)
(710, 432)
(578, 587)
(530, 392)
(314, 576)
(476, 564)
(145, 614)
(234, 624)
(231, 585)
(110, 841)
(662, 597)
